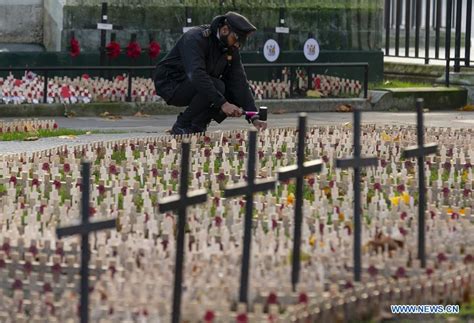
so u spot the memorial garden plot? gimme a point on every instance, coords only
(132, 266)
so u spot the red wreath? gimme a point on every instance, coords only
(75, 49)
(113, 49)
(154, 49)
(134, 50)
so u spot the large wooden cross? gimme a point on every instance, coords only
(248, 189)
(180, 203)
(420, 151)
(84, 229)
(357, 162)
(299, 171)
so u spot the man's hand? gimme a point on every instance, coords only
(259, 124)
(232, 110)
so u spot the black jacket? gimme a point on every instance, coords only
(199, 55)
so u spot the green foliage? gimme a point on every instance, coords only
(120, 201)
(64, 195)
(136, 154)
(118, 156)
(3, 189)
(40, 134)
(390, 84)
(217, 164)
(205, 167)
(138, 201)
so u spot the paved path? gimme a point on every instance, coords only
(157, 125)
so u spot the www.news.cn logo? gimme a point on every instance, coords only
(424, 309)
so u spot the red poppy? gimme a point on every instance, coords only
(134, 50)
(154, 49)
(113, 49)
(75, 49)
(401, 272)
(303, 298)
(218, 221)
(174, 174)
(272, 299)
(209, 316)
(373, 271)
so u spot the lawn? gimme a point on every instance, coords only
(20, 136)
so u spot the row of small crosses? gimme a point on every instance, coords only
(184, 199)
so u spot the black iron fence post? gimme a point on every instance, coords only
(387, 27)
(397, 27)
(448, 38)
(129, 89)
(457, 43)
(417, 27)
(427, 31)
(366, 81)
(438, 27)
(407, 27)
(45, 87)
(467, 54)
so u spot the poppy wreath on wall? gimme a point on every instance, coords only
(154, 49)
(113, 49)
(134, 50)
(74, 47)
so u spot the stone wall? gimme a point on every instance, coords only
(337, 24)
(21, 21)
(53, 24)
(340, 26)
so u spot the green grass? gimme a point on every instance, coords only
(397, 84)
(19, 136)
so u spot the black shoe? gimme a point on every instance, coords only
(178, 129)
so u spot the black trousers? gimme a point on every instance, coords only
(199, 112)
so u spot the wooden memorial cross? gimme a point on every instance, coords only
(248, 189)
(298, 171)
(84, 229)
(420, 151)
(180, 203)
(357, 162)
(103, 26)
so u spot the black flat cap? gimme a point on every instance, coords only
(239, 24)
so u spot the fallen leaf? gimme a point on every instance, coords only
(344, 108)
(31, 138)
(140, 114)
(347, 125)
(314, 94)
(469, 107)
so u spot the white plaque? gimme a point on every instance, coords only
(282, 30)
(311, 49)
(271, 50)
(103, 26)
